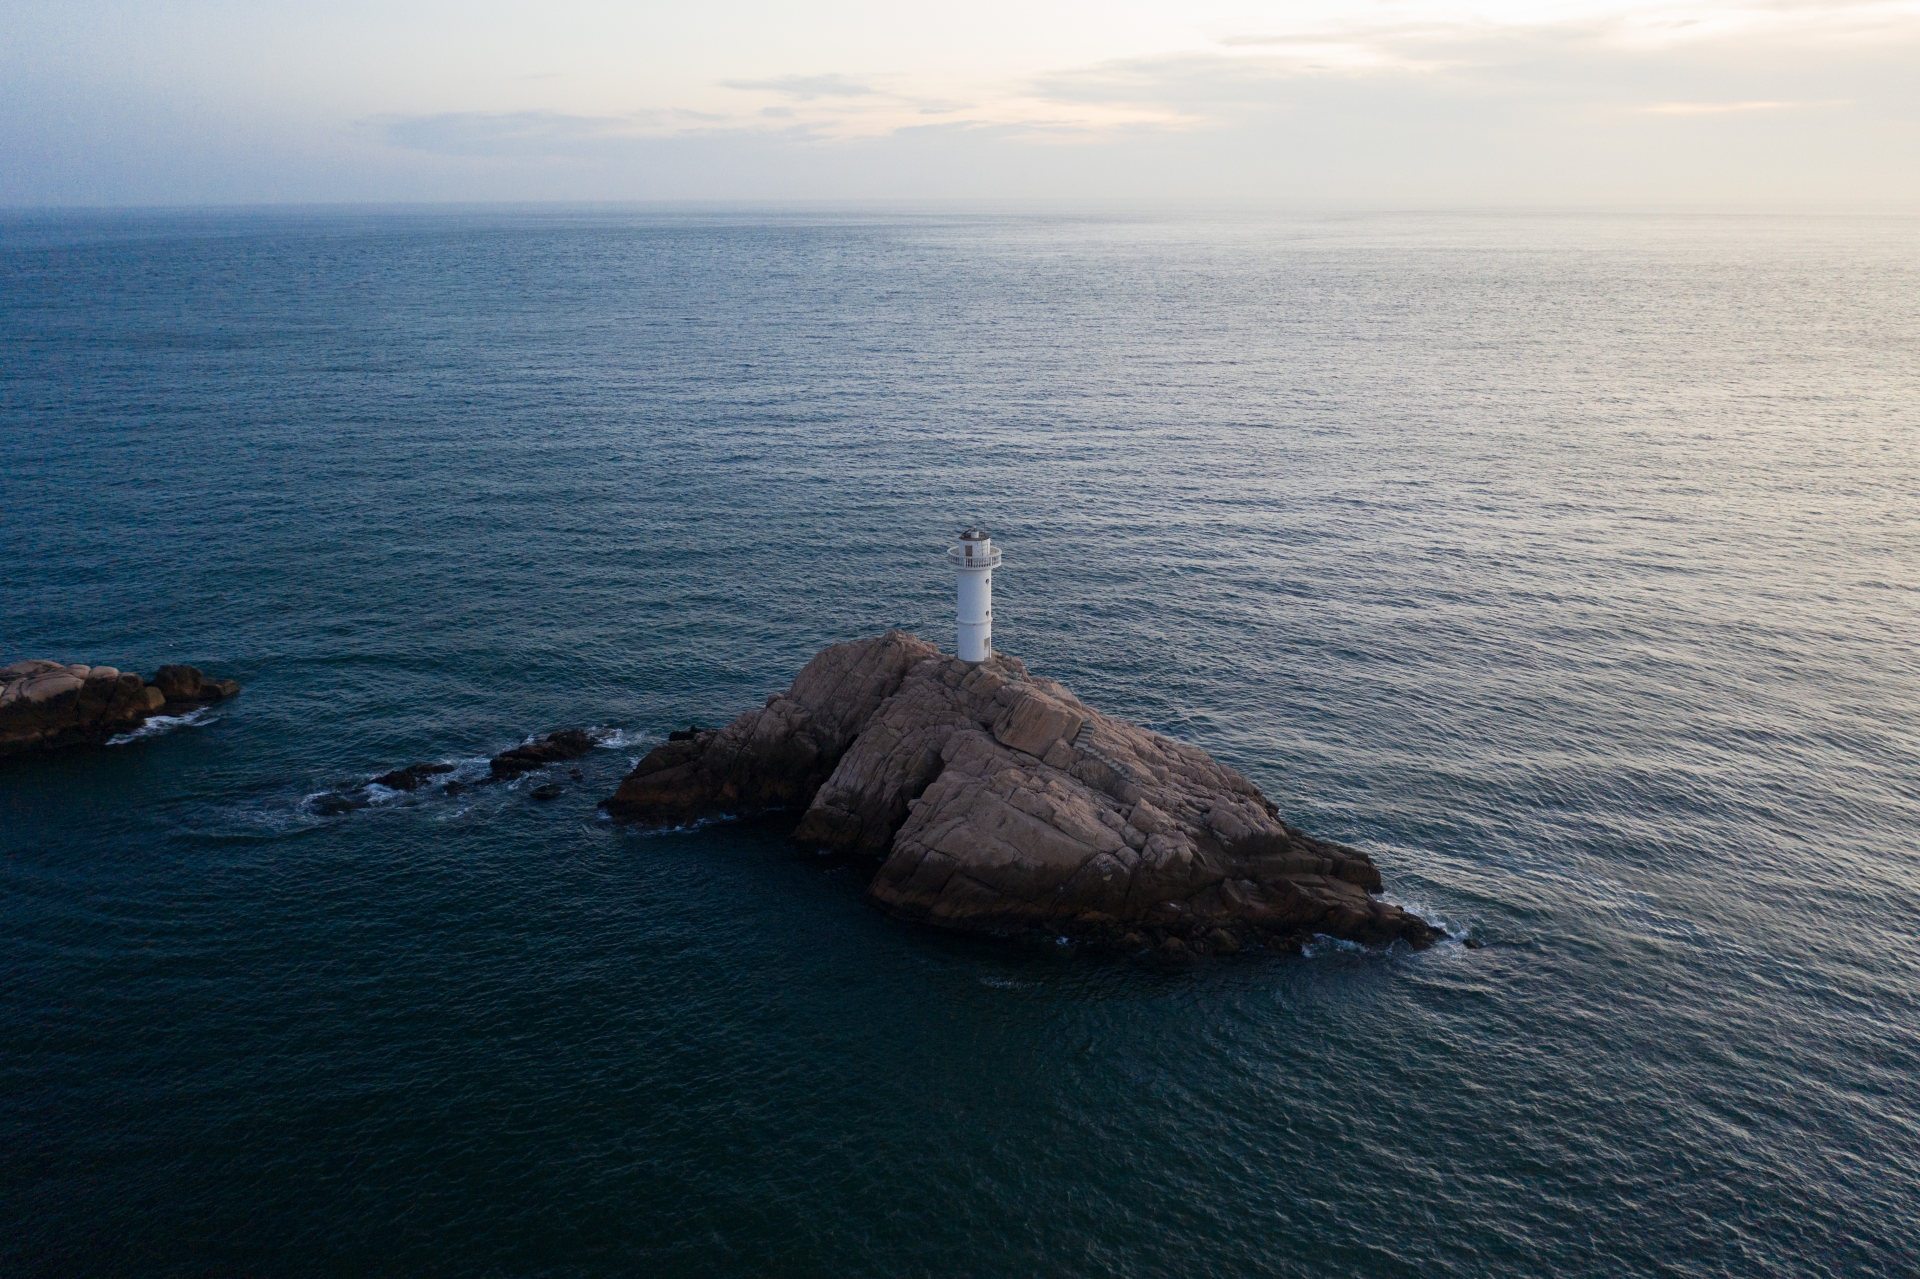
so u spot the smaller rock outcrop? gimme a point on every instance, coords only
(46, 705)
(411, 777)
(556, 748)
(185, 686)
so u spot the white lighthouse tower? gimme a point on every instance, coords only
(976, 559)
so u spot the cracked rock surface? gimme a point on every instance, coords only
(996, 801)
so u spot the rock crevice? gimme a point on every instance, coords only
(994, 800)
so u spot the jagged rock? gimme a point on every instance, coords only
(778, 755)
(45, 705)
(997, 801)
(547, 790)
(568, 743)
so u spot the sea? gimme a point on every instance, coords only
(1568, 564)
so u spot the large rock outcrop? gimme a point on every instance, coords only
(46, 705)
(996, 801)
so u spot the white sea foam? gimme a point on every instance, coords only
(471, 769)
(614, 738)
(1322, 944)
(1433, 918)
(699, 823)
(164, 724)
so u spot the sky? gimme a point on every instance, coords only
(1763, 104)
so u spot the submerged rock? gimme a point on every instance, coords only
(46, 705)
(411, 777)
(994, 800)
(334, 803)
(554, 748)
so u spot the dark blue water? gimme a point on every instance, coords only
(1568, 565)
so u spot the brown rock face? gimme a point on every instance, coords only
(996, 801)
(45, 705)
(185, 687)
(178, 683)
(777, 756)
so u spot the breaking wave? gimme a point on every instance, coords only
(160, 724)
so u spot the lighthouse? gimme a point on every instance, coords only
(976, 559)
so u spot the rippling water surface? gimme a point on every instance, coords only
(1568, 565)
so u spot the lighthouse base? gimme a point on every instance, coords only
(976, 641)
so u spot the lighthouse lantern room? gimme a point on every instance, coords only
(976, 559)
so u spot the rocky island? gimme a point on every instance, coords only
(993, 800)
(46, 705)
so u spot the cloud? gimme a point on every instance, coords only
(531, 133)
(1358, 50)
(1567, 112)
(1377, 79)
(1722, 108)
(806, 87)
(1471, 69)
(1262, 41)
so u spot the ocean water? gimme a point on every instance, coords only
(1566, 564)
